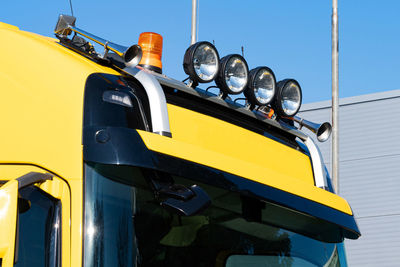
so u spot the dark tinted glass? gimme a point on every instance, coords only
(39, 230)
(109, 232)
(101, 113)
(126, 226)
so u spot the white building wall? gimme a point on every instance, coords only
(369, 174)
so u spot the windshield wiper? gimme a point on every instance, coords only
(183, 200)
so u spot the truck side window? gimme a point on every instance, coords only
(39, 230)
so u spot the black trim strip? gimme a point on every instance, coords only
(125, 147)
(32, 178)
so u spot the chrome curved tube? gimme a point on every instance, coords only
(157, 101)
(317, 164)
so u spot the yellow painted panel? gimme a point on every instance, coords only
(236, 142)
(11, 171)
(259, 173)
(41, 103)
(76, 222)
(8, 221)
(58, 189)
(8, 26)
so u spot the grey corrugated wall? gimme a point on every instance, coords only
(369, 162)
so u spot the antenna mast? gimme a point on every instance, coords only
(194, 22)
(70, 5)
(335, 96)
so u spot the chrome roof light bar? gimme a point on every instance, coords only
(158, 106)
(321, 130)
(131, 57)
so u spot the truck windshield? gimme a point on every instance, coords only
(126, 226)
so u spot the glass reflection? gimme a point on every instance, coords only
(205, 62)
(109, 232)
(290, 98)
(126, 226)
(39, 231)
(236, 74)
(264, 87)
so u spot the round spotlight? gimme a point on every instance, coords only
(201, 62)
(288, 98)
(261, 87)
(233, 74)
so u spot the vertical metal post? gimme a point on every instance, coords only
(335, 96)
(194, 22)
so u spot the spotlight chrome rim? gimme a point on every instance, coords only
(288, 98)
(201, 62)
(261, 87)
(233, 74)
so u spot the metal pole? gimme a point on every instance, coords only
(194, 22)
(335, 96)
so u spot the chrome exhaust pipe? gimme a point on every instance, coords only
(322, 131)
(131, 55)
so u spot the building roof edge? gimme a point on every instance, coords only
(352, 100)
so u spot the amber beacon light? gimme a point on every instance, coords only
(151, 44)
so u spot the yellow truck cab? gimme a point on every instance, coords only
(105, 161)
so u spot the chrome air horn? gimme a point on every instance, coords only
(323, 131)
(130, 55)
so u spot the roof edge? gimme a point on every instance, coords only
(352, 100)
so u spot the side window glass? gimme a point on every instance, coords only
(38, 230)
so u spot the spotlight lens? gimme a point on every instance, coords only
(201, 62)
(291, 98)
(264, 86)
(287, 101)
(236, 74)
(205, 62)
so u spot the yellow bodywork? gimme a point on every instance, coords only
(221, 145)
(8, 222)
(41, 107)
(41, 116)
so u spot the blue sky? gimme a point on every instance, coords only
(292, 37)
